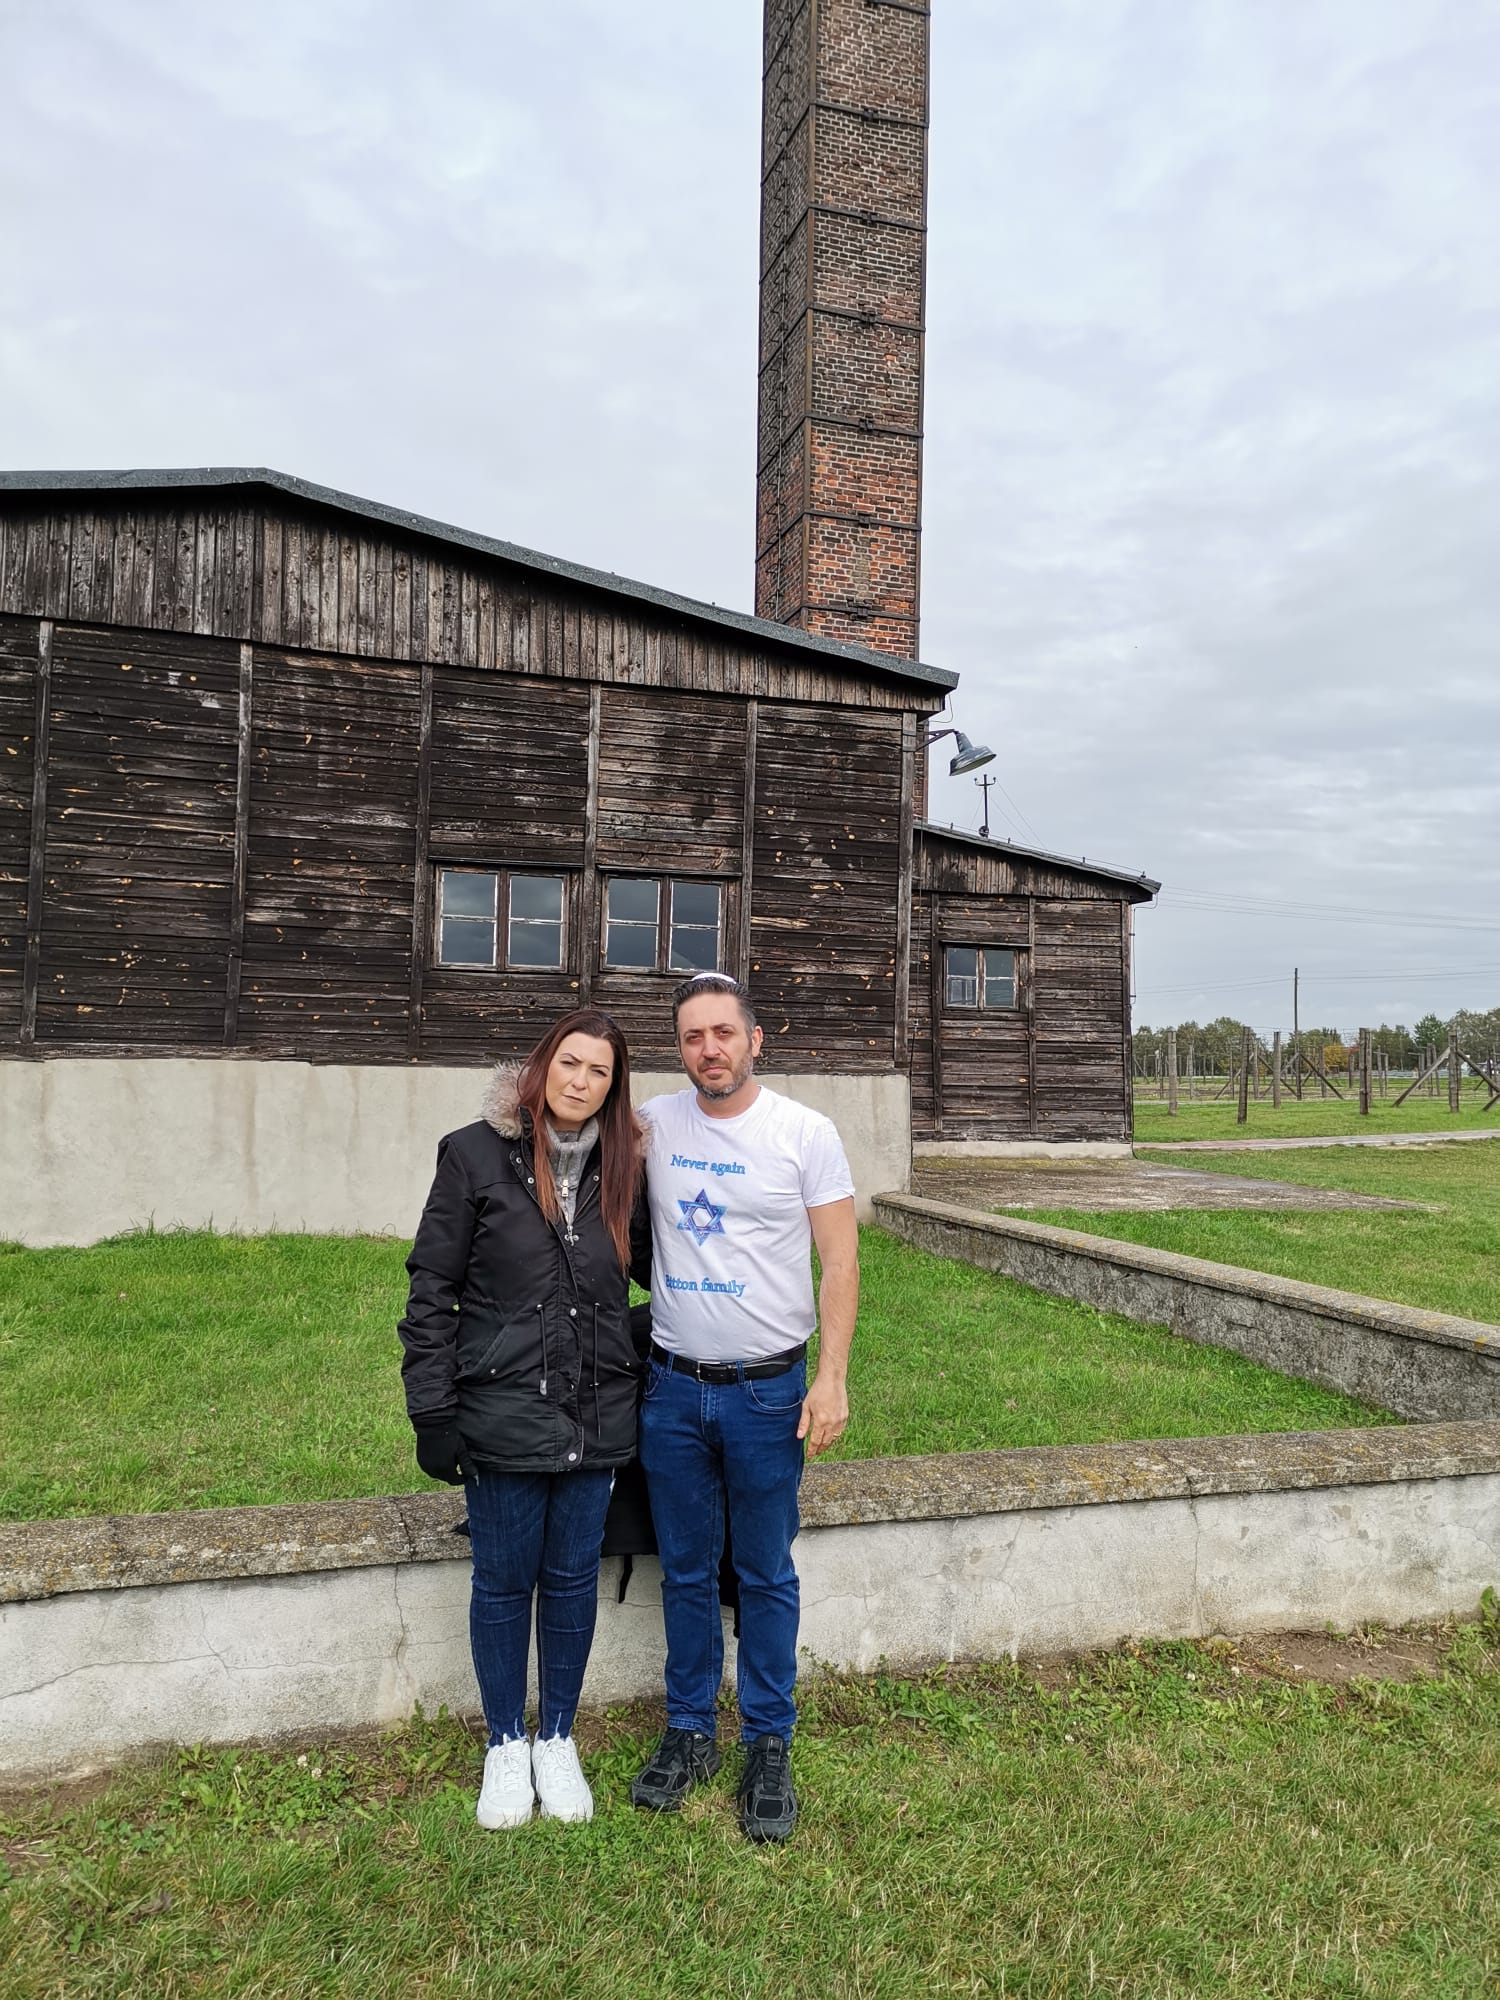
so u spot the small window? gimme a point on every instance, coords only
(536, 920)
(632, 921)
(653, 926)
(694, 945)
(979, 977)
(961, 977)
(999, 978)
(480, 911)
(466, 917)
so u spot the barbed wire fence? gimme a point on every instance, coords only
(1170, 1068)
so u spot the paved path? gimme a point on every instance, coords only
(1101, 1186)
(1290, 1145)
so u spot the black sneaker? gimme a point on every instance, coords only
(682, 1759)
(768, 1805)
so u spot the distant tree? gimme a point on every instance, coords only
(1430, 1032)
(1395, 1044)
(1221, 1040)
(1313, 1041)
(1479, 1034)
(1148, 1044)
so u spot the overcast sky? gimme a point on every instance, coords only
(1212, 530)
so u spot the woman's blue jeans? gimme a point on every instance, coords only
(534, 1534)
(706, 1446)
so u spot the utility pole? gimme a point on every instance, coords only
(1364, 1072)
(985, 782)
(1296, 1037)
(1171, 1072)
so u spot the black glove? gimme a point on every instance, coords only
(439, 1448)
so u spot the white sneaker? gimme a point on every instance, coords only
(560, 1783)
(506, 1796)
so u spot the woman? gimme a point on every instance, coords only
(521, 1379)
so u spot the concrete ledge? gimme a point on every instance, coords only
(41, 1559)
(1424, 1365)
(132, 1551)
(300, 1621)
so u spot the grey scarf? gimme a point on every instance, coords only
(566, 1153)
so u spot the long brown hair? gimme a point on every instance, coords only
(621, 1134)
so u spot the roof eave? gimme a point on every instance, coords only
(988, 845)
(939, 680)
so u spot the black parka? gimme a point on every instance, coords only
(512, 1330)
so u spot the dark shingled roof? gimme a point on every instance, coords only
(763, 630)
(989, 846)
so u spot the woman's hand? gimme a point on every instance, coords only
(439, 1448)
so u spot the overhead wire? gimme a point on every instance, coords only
(1230, 902)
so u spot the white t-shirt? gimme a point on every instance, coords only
(731, 1243)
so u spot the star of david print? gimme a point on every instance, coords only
(701, 1218)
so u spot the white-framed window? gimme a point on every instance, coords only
(655, 924)
(500, 919)
(694, 927)
(632, 922)
(980, 976)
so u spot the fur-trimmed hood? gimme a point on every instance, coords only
(502, 1106)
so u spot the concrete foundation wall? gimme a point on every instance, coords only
(1424, 1365)
(300, 1621)
(95, 1147)
(1022, 1149)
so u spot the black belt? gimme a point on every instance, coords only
(729, 1371)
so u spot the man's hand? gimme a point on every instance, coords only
(824, 1415)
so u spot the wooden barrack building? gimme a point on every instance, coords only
(290, 775)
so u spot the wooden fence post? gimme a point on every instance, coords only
(1364, 1072)
(1276, 1070)
(1171, 1072)
(1454, 1072)
(1242, 1111)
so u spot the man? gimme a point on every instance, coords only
(741, 1182)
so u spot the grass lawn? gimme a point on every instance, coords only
(1153, 1824)
(1313, 1118)
(1448, 1262)
(192, 1370)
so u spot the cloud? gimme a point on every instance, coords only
(1213, 397)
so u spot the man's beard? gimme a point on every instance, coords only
(739, 1075)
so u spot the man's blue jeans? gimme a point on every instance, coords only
(705, 1445)
(534, 1534)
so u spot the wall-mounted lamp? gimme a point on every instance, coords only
(968, 757)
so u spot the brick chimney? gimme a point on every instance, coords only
(843, 266)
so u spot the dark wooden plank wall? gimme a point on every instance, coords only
(962, 870)
(18, 658)
(984, 1059)
(670, 770)
(139, 856)
(1055, 1070)
(1080, 1001)
(509, 770)
(827, 868)
(240, 567)
(509, 790)
(328, 900)
(193, 907)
